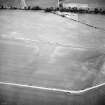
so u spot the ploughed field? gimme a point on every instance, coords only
(46, 50)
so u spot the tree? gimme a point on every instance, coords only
(96, 10)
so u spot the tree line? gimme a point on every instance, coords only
(54, 9)
(77, 10)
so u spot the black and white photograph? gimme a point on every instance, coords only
(52, 52)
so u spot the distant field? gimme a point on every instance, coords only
(41, 3)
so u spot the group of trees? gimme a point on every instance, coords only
(83, 10)
(50, 9)
(33, 8)
(77, 10)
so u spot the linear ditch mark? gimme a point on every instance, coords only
(87, 24)
(32, 42)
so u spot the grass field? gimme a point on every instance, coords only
(50, 51)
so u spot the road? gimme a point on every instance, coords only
(15, 94)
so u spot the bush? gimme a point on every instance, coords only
(14, 8)
(1, 7)
(49, 9)
(103, 12)
(29, 8)
(96, 10)
(56, 9)
(36, 8)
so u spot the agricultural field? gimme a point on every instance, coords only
(49, 51)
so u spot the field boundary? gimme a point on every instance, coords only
(68, 17)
